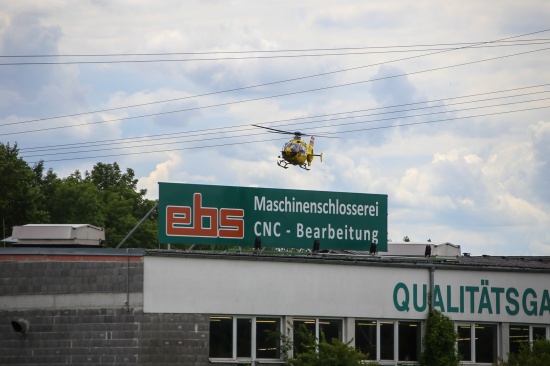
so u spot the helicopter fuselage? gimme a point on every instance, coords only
(296, 152)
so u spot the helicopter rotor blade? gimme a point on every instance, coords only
(297, 133)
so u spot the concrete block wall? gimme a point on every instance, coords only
(70, 277)
(79, 315)
(104, 337)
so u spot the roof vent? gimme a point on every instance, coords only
(58, 235)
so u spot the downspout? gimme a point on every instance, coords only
(432, 286)
(127, 281)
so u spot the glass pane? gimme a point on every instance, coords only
(464, 341)
(386, 340)
(486, 342)
(330, 329)
(221, 337)
(303, 333)
(268, 331)
(244, 337)
(519, 334)
(539, 332)
(365, 337)
(409, 341)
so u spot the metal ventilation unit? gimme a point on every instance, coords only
(57, 235)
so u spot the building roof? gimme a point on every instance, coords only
(484, 262)
(464, 262)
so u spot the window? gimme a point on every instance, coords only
(245, 337)
(523, 333)
(464, 343)
(267, 345)
(318, 328)
(365, 337)
(330, 329)
(486, 343)
(221, 337)
(409, 341)
(519, 334)
(539, 332)
(378, 339)
(386, 341)
(477, 342)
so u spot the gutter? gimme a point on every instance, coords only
(375, 261)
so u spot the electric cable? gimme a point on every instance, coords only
(276, 82)
(274, 96)
(316, 132)
(272, 139)
(187, 134)
(240, 58)
(524, 41)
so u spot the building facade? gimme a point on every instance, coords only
(123, 306)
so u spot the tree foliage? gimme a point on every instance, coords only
(307, 351)
(535, 354)
(21, 198)
(105, 196)
(439, 341)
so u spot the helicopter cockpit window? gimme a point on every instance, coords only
(294, 147)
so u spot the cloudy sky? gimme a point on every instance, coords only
(443, 106)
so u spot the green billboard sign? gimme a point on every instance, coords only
(282, 218)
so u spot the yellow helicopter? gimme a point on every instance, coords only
(296, 151)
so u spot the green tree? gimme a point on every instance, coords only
(535, 354)
(76, 201)
(439, 341)
(308, 352)
(124, 206)
(21, 200)
(105, 197)
(48, 184)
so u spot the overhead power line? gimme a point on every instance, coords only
(504, 43)
(468, 45)
(267, 97)
(248, 141)
(202, 139)
(88, 62)
(286, 122)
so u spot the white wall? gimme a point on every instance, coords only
(219, 286)
(261, 287)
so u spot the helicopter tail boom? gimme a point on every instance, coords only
(310, 153)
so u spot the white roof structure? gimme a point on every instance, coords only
(58, 235)
(443, 250)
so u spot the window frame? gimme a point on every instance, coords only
(253, 338)
(474, 338)
(394, 338)
(531, 332)
(317, 326)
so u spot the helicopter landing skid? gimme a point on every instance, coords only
(282, 163)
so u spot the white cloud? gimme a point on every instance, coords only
(160, 174)
(479, 181)
(540, 247)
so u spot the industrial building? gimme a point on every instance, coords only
(87, 305)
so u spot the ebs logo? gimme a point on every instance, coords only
(204, 221)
